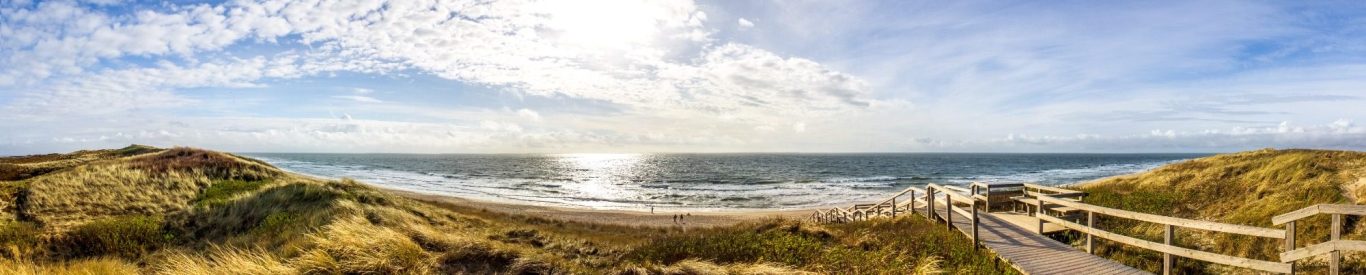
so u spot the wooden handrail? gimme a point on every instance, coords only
(1335, 244)
(1175, 250)
(1059, 195)
(997, 185)
(1343, 209)
(1051, 189)
(956, 194)
(1187, 223)
(1321, 248)
(952, 195)
(952, 187)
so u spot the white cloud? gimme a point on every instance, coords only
(666, 76)
(542, 49)
(745, 24)
(1338, 134)
(529, 115)
(358, 98)
(114, 91)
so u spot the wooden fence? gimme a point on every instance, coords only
(1335, 244)
(1047, 200)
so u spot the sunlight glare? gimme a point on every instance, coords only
(616, 24)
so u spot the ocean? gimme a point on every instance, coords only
(703, 182)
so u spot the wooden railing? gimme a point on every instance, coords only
(1044, 198)
(952, 195)
(890, 207)
(1335, 244)
(1168, 250)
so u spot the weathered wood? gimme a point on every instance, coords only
(1167, 261)
(952, 195)
(1344, 209)
(1059, 195)
(948, 205)
(998, 185)
(987, 200)
(1090, 222)
(1031, 253)
(893, 207)
(954, 188)
(1335, 257)
(975, 222)
(1038, 214)
(1322, 248)
(1289, 243)
(929, 203)
(1051, 189)
(1175, 250)
(1187, 223)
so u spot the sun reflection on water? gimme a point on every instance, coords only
(601, 175)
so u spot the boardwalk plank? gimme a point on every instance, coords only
(1031, 253)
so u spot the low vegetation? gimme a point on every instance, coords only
(189, 211)
(1245, 188)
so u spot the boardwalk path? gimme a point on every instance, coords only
(1032, 253)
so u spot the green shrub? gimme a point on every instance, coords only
(221, 191)
(127, 236)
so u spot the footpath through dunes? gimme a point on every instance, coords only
(1261, 211)
(145, 210)
(1023, 246)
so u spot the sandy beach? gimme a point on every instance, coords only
(661, 217)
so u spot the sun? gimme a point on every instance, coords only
(611, 24)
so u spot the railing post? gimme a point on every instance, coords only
(1335, 257)
(948, 210)
(1038, 213)
(975, 242)
(1290, 241)
(893, 207)
(988, 196)
(1167, 257)
(1090, 219)
(929, 203)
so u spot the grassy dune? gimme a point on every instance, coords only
(1241, 188)
(190, 211)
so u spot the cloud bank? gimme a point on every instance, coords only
(679, 75)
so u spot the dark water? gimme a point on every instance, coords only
(704, 181)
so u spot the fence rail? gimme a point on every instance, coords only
(1047, 198)
(1335, 244)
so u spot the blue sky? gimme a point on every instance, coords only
(683, 76)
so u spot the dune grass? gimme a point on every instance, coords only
(190, 211)
(880, 246)
(1243, 188)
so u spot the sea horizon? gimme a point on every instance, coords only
(703, 182)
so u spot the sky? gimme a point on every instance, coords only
(621, 76)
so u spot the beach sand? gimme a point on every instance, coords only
(661, 217)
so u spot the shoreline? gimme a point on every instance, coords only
(660, 218)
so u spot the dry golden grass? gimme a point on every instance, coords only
(75, 267)
(1241, 188)
(222, 261)
(354, 246)
(701, 267)
(151, 184)
(190, 211)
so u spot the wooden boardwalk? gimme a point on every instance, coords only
(1031, 253)
(1024, 245)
